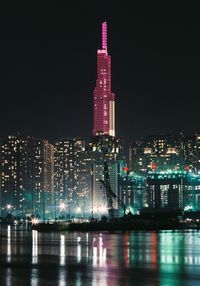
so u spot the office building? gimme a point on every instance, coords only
(104, 98)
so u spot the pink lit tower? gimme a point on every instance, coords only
(104, 99)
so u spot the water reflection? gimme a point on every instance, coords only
(126, 249)
(62, 274)
(99, 253)
(34, 246)
(8, 243)
(62, 278)
(78, 249)
(34, 277)
(153, 258)
(8, 277)
(34, 273)
(62, 249)
(129, 258)
(87, 246)
(102, 252)
(94, 257)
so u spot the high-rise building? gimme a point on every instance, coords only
(132, 190)
(109, 149)
(157, 152)
(104, 99)
(26, 175)
(70, 174)
(162, 152)
(173, 190)
(191, 147)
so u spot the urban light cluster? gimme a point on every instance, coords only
(63, 178)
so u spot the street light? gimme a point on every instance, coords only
(78, 210)
(35, 221)
(9, 207)
(100, 210)
(63, 208)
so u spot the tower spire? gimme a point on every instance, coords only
(104, 36)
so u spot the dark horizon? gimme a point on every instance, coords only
(48, 69)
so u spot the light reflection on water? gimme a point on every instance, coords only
(62, 249)
(34, 274)
(34, 277)
(78, 249)
(8, 243)
(34, 247)
(8, 277)
(122, 258)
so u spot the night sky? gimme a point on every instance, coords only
(48, 68)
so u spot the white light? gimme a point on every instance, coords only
(35, 220)
(78, 209)
(62, 206)
(102, 209)
(8, 206)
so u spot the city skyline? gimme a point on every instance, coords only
(48, 69)
(99, 158)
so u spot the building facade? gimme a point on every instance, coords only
(173, 190)
(70, 175)
(104, 98)
(133, 191)
(109, 149)
(174, 151)
(26, 176)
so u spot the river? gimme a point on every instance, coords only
(164, 258)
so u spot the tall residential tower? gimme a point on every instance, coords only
(104, 99)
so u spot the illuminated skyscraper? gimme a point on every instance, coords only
(26, 175)
(104, 99)
(70, 173)
(103, 149)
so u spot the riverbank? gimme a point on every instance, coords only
(113, 226)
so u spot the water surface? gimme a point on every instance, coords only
(164, 258)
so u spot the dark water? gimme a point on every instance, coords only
(164, 258)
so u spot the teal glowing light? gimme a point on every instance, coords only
(188, 208)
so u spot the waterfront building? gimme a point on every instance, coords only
(132, 191)
(70, 175)
(26, 176)
(109, 149)
(173, 190)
